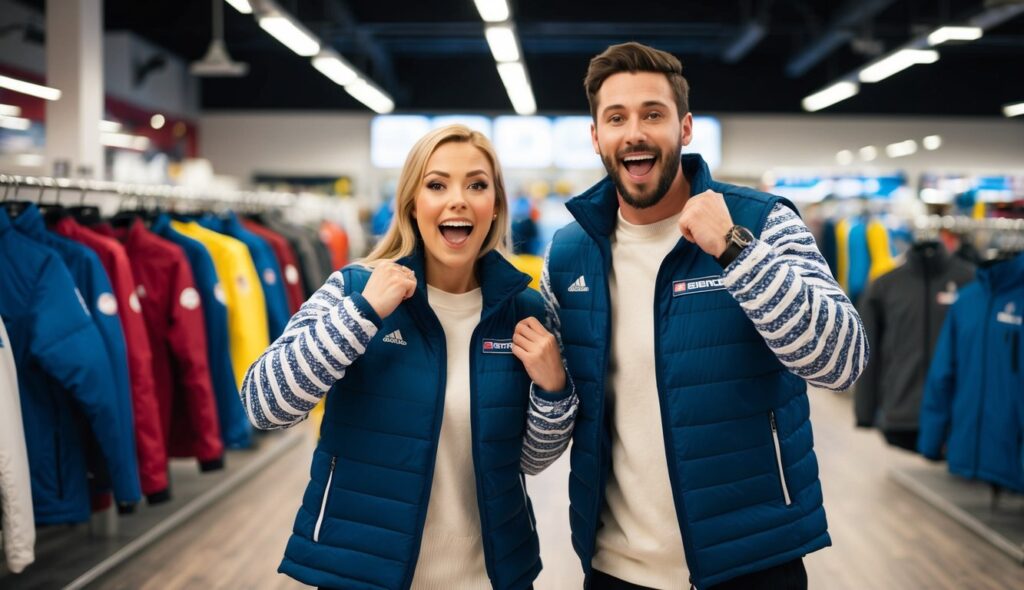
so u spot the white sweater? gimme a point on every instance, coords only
(16, 518)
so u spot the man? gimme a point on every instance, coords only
(692, 458)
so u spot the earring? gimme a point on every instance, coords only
(495, 216)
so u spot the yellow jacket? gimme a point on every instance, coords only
(881, 254)
(247, 311)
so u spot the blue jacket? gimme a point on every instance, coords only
(379, 439)
(94, 285)
(63, 369)
(725, 399)
(266, 265)
(974, 395)
(235, 429)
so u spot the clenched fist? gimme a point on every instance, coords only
(705, 220)
(538, 350)
(390, 284)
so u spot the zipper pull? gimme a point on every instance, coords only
(334, 461)
(771, 418)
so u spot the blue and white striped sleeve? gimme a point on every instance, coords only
(328, 333)
(551, 415)
(783, 284)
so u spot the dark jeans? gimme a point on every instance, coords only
(788, 576)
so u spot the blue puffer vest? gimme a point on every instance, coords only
(373, 467)
(727, 403)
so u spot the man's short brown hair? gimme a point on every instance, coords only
(634, 57)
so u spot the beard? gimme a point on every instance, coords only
(650, 198)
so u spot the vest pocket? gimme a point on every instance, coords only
(526, 502)
(323, 502)
(778, 457)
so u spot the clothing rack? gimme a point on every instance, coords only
(36, 187)
(1005, 234)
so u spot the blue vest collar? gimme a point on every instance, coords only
(31, 223)
(596, 209)
(499, 280)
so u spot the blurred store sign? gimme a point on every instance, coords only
(816, 188)
(940, 189)
(523, 142)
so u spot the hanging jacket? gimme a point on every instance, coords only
(94, 285)
(173, 312)
(247, 312)
(880, 251)
(859, 259)
(336, 240)
(289, 263)
(46, 318)
(267, 268)
(306, 246)
(149, 438)
(234, 425)
(363, 512)
(19, 530)
(972, 400)
(903, 312)
(736, 422)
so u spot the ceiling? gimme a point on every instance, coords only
(431, 56)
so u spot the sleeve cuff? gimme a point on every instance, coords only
(212, 465)
(160, 497)
(554, 396)
(739, 270)
(366, 310)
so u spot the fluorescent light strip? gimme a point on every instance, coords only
(492, 11)
(371, 96)
(15, 123)
(8, 110)
(943, 34)
(37, 90)
(110, 127)
(844, 157)
(897, 62)
(830, 96)
(335, 68)
(1014, 110)
(868, 153)
(290, 35)
(125, 141)
(513, 76)
(903, 148)
(29, 159)
(502, 41)
(242, 6)
(932, 142)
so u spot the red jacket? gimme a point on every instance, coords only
(177, 336)
(288, 260)
(149, 438)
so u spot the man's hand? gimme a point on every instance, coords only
(389, 285)
(705, 220)
(538, 350)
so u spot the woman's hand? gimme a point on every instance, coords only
(538, 350)
(390, 284)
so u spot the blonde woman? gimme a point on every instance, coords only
(445, 389)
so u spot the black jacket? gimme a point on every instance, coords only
(903, 312)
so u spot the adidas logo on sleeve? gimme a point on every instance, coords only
(579, 286)
(395, 338)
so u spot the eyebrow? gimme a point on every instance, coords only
(446, 175)
(646, 104)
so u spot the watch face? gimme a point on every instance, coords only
(742, 236)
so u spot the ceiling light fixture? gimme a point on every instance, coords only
(289, 33)
(110, 127)
(901, 149)
(8, 110)
(830, 96)
(517, 85)
(492, 11)
(371, 96)
(932, 142)
(157, 121)
(502, 41)
(15, 123)
(37, 90)
(1014, 110)
(943, 34)
(844, 157)
(897, 62)
(242, 6)
(868, 153)
(334, 67)
(125, 141)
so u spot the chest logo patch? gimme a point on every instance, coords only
(107, 304)
(189, 298)
(269, 276)
(949, 296)
(1009, 315)
(699, 285)
(492, 346)
(291, 274)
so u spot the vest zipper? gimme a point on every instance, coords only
(323, 503)
(56, 455)
(778, 457)
(526, 502)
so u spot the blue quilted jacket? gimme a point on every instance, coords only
(974, 397)
(736, 422)
(362, 516)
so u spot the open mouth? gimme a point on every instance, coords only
(639, 165)
(455, 232)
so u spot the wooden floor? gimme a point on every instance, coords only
(883, 536)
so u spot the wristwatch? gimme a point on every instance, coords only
(736, 240)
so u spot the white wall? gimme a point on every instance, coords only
(243, 144)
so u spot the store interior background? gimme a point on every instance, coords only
(285, 127)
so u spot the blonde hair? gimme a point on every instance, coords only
(402, 237)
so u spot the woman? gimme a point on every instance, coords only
(417, 481)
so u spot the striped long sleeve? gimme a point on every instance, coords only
(328, 333)
(784, 286)
(551, 416)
